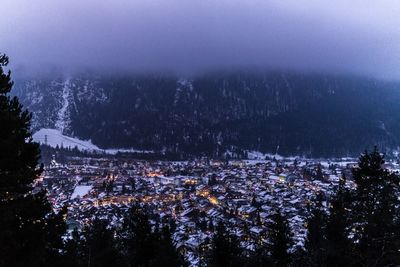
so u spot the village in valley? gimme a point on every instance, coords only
(193, 196)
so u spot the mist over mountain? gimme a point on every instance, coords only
(359, 37)
(220, 114)
(200, 133)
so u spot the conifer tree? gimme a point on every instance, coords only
(143, 247)
(374, 212)
(338, 245)
(260, 257)
(319, 173)
(225, 250)
(315, 244)
(137, 239)
(165, 253)
(99, 248)
(73, 250)
(30, 233)
(280, 239)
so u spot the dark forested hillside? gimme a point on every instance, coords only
(313, 115)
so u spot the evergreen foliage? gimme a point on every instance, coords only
(375, 211)
(225, 251)
(338, 244)
(143, 246)
(30, 233)
(285, 113)
(280, 236)
(360, 227)
(315, 245)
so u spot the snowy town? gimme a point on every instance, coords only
(196, 195)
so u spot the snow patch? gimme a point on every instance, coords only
(114, 151)
(63, 114)
(81, 191)
(257, 155)
(54, 138)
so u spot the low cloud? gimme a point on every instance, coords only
(360, 37)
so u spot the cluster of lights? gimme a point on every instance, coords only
(213, 200)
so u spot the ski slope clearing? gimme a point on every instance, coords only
(54, 138)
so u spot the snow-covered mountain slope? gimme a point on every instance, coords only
(54, 138)
(63, 115)
(53, 101)
(288, 114)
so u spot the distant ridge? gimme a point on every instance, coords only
(277, 113)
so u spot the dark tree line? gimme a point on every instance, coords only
(355, 227)
(292, 114)
(136, 243)
(313, 115)
(32, 234)
(359, 227)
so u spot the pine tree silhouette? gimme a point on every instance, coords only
(315, 244)
(374, 213)
(225, 248)
(280, 239)
(339, 247)
(30, 233)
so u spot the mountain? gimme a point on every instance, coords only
(221, 113)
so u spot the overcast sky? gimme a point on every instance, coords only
(346, 36)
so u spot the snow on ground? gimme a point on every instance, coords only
(114, 151)
(80, 191)
(63, 113)
(55, 137)
(257, 155)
